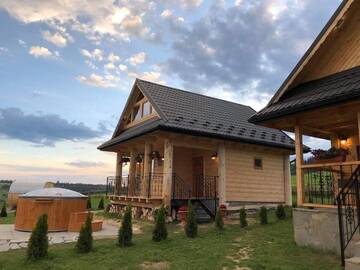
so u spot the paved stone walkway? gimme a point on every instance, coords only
(12, 239)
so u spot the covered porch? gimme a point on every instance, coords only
(165, 169)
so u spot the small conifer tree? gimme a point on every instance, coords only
(88, 204)
(3, 212)
(263, 215)
(101, 204)
(219, 223)
(125, 231)
(191, 224)
(243, 215)
(38, 243)
(280, 212)
(160, 231)
(85, 241)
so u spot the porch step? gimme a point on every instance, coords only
(352, 263)
(201, 215)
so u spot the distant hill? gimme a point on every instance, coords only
(82, 188)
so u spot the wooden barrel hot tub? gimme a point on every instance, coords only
(57, 203)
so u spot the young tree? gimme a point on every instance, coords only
(280, 212)
(263, 215)
(101, 204)
(39, 243)
(125, 231)
(3, 212)
(88, 203)
(160, 231)
(243, 215)
(85, 241)
(191, 224)
(219, 223)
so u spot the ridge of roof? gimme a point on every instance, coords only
(194, 93)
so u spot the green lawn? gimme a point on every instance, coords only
(95, 199)
(10, 219)
(257, 247)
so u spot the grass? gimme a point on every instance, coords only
(95, 199)
(10, 219)
(268, 247)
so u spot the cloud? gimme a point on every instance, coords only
(42, 129)
(152, 76)
(55, 38)
(166, 13)
(85, 164)
(96, 54)
(123, 68)
(113, 57)
(98, 80)
(22, 43)
(137, 59)
(231, 47)
(120, 20)
(43, 52)
(109, 66)
(3, 50)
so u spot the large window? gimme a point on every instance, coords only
(146, 108)
(136, 113)
(142, 108)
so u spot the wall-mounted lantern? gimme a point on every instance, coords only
(343, 140)
(125, 160)
(214, 156)
(155, 155)
(139, 158)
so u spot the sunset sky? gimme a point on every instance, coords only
(67, 67)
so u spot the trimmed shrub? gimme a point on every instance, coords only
(125, 231)
(84, 243)
(88, 204)
(243, 215)
(263, 215)
(38, 243)
(191, 224)
(3, 212)
(160, 231)
(219, 223)
(101, 204)
(280, 212)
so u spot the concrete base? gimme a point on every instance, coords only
(317, 228)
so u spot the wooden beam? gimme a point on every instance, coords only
(222, 173)
(358, 123)
(168, 171)
(132, 170)
(147, 168)
(118, 173)
(299, 163)
(287, 180)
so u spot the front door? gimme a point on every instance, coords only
(198, 172)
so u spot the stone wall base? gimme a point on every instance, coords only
(138, 212)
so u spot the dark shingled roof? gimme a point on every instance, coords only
(339, 87)
(191, 113)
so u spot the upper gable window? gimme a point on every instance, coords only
(146, 108)
(136, 113)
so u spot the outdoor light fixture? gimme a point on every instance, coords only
(155, 155)
(214, 156)
(125, 160)
(343, 140)
(139, 159)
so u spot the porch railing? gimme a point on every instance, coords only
(322, 183)
(348, 202)
(181, 190)
(155, 184)
(117, 185)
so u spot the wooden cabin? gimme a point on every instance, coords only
(181, 146)
(321, 98)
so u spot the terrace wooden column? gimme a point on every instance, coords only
(299, 163)
(118, 173)
(132, 170)
(287, 180)
(147, 168)
(168, 171)
(358, 122)
(222, 174)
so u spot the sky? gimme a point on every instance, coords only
(67, 67)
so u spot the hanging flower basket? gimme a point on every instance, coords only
(333, 155)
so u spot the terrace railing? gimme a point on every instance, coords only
(117, 185)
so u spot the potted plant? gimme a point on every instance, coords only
(331, 155)
(222, 208)
(182, 213)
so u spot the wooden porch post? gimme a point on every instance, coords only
(287, 180)
(132, 169)
(147, 168)
(299, 163)
(168, 171)
(222, 174)
(118, 173)
(358, 120)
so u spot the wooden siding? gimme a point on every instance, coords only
(342, 50)
(245, 183)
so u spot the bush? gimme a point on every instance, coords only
(243, 215)
(3, 212)
(38, 243)
(88, 204)
(85, 241)
(191, 225)
(280, 212)
(101, 204)
(125, 231)
(219, 223)
(160, 232)
(263, 215)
